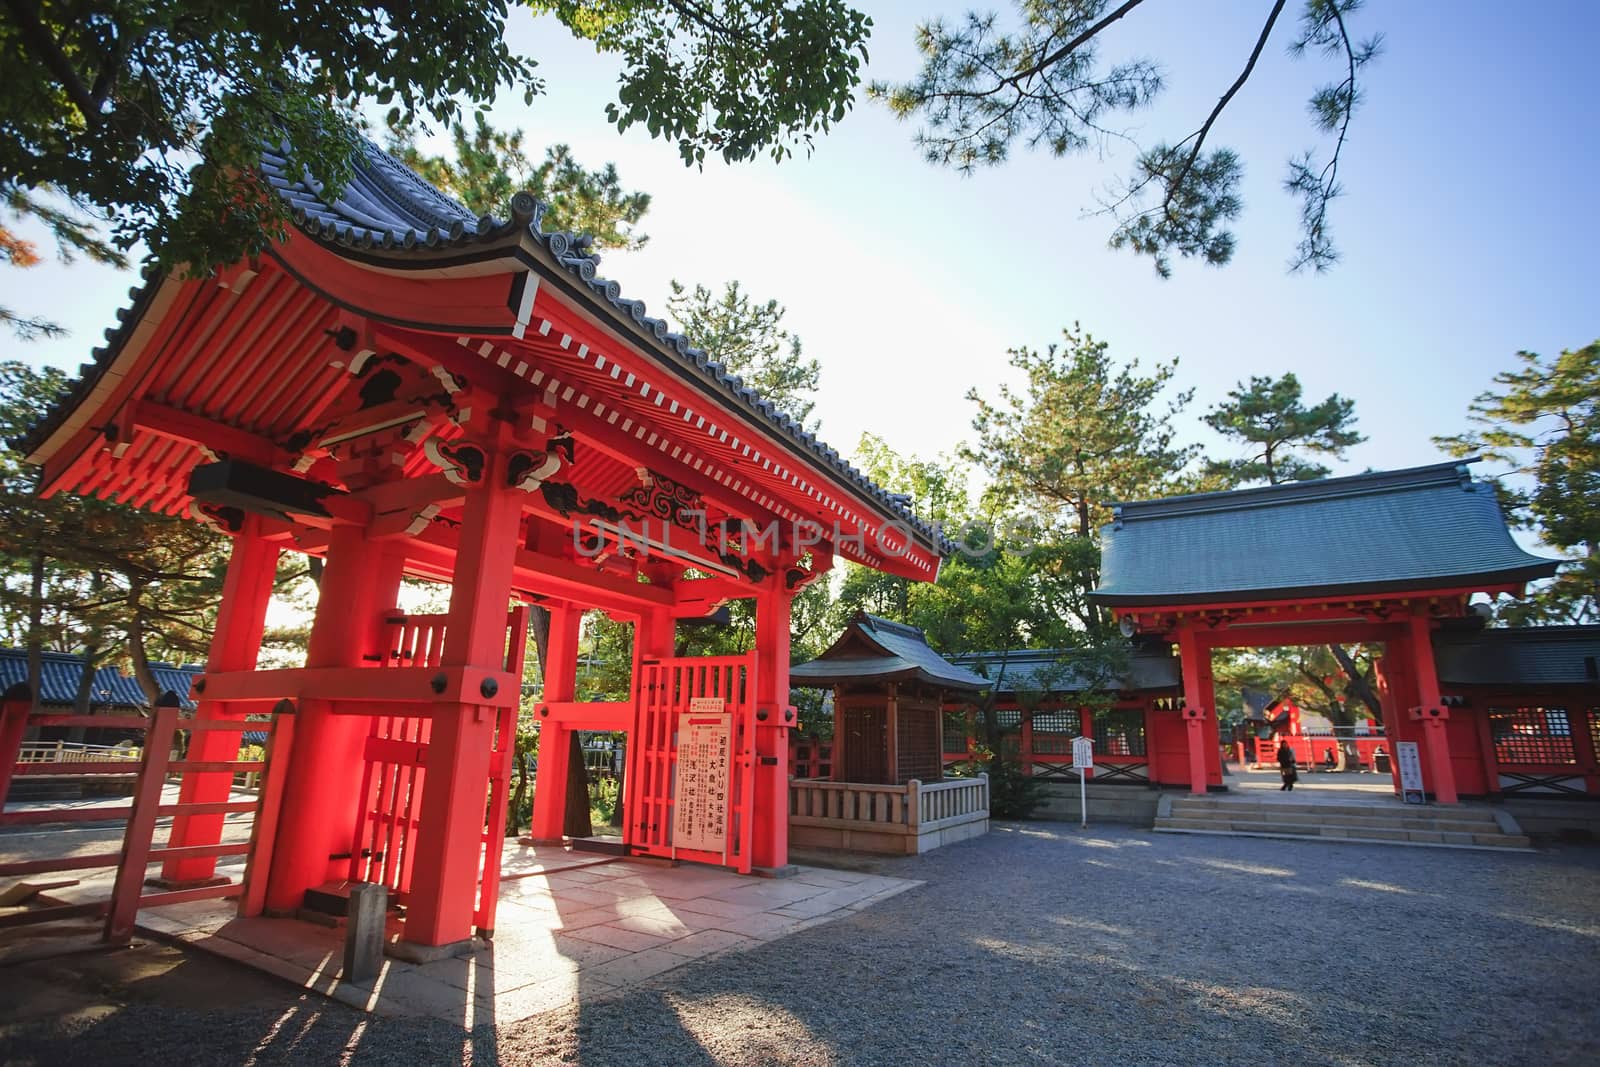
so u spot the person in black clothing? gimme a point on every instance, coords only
(1286, 768)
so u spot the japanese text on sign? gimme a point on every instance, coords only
(700, 816)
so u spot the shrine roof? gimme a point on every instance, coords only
(1052, 670)
(873, 649)
(563, 329)
(1389, 531)
(1521, 656)
(60, 672)
(386, 216)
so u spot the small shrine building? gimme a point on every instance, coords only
(885, 789)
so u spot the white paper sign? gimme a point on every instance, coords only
(1082, 754)
(700, 812)
(1409, 760)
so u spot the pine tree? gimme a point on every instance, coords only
(1081, 435)
(1269, 418)
(1543, 425)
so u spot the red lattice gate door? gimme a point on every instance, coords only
(691, 760)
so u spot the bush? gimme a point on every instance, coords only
(1012, 794)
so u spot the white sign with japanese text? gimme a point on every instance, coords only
(1082, 754)
(700, 812)
(1409, 760)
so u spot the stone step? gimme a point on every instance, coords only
(1399, 820)
(1400, 811)
(1336, 832)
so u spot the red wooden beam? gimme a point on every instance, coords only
(218, 437)
(587, 714)
(415, 686)
(1286, 633)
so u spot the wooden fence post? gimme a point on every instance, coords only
(269, 802)
(913, 805)
(124, 906)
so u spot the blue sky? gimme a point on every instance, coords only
(1467, 229)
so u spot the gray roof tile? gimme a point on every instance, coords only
(1052, 670)
(1390, 530)
(875, 649)
(60, 671)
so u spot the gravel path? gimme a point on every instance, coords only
(1036, 943)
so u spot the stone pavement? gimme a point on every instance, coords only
(570, 928)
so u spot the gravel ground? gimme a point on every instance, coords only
(1036, 943)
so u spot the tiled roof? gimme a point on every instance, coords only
(1052, 670)
(1395, 530)
(872, 649)
(60, 672)
(386, 206)
(387, 213)
(1524, 656)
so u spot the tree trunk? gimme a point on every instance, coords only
(36, 631)
(1358, 681)
(576, 822)
(523, 753)
(136, 646)
(83, 699)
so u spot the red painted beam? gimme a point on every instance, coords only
(1285, 634)
(402, 685)
(587, 714)
(218, 437)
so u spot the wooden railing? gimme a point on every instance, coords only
(37, 752)
(834, 802)
(906, 818)
(950, 801)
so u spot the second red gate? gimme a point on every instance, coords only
(713, 698)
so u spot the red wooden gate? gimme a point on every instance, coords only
(395, 761)
(666, 689)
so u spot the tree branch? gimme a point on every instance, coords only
(1071, 46)
(1199, 136)
(41, 42)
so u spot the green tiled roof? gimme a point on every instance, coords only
(1052, 670)
(1389, 531)
(877, 650)
(1534, 655)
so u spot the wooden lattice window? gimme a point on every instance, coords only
(955, 731)
(1053, 731)
(1531, 735)
(1118, 732)
(917, 739)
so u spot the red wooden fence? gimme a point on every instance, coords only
(138, 851)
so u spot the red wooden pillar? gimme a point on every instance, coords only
(1025, 739)
(235, 644)
(1584, 735)
(15, 707)
(1196, 666)
(1431, 711)
(444, 881)
(560, 684)
(359, 584)
(1394, 683)
(770, 833)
